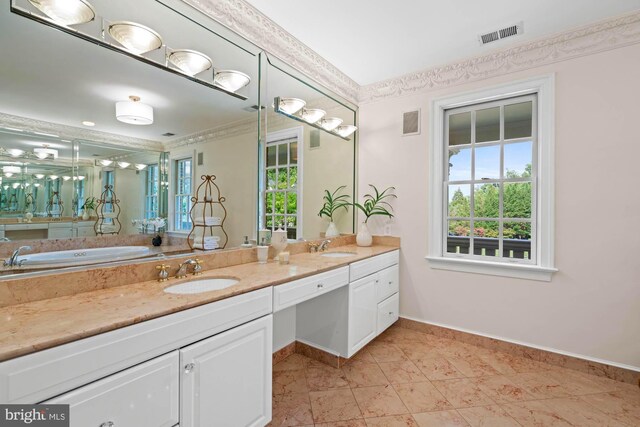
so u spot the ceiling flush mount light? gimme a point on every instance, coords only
(330, 123)
(66, 12)
(345, 130)
(231, 80)
(190, 62)
(88, 123)
(14, 152)
(124, 165)
(45, 151)
(140, 166)
(105, 162)
(291, 105)
(312, 115)
(134, 112)
(136, 38)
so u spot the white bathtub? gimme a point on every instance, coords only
(82, 256)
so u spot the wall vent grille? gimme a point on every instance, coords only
(411, 122)
(500, 34)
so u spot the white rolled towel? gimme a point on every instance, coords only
(206, 247)
(206, 240)
(209, 220)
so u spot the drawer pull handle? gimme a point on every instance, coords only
(189, 367)
(377, 281)
(107, 424)
(320, 286)
(391, 313)
(390, 282)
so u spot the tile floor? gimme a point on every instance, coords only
(408, 378)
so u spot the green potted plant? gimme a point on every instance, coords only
(373, 204)
(332, 203)
(87, 207)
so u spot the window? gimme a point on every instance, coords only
(80, 196)
(151, 193)
(491, 181)
(282, 182)
(183, 194)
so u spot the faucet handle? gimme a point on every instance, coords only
(163, 276)
(197, 269)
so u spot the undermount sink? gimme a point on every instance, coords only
(337, 254)
(201, 285)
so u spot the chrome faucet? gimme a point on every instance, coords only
(182, 270)
(324, 245)
(5, 239)
(13, 261)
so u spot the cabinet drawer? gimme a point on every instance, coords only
(60, 225)
(388, 312)
(145, 395)
(388, 283)
(295, 292)
(372, 265)
(19, 227)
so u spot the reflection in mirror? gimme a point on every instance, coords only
(310, 148)
(79, 113)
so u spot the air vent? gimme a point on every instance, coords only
(411, 123)
(168, 134)
(496, 35)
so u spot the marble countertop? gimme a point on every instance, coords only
(34, 326)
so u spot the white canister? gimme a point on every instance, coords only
(263, 254)
(279, 240)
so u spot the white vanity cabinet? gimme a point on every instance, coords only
(84, 229)
(363, 312)
(60, 230)
(226, 379)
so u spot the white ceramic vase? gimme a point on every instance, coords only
(364, 238)
(279, 240)
(332, 230)
(85, 214)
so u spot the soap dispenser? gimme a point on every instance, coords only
(246, 243)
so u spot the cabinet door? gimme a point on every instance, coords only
(145, 395)
(226, 379)
(363, 307)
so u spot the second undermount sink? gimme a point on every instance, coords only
(337, 254)
(201, 285)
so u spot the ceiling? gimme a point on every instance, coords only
(372, 41)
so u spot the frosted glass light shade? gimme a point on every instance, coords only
(136, 38)
(140, 166)
(66, 12)
(53, 177)
(124, 165)
(312, 115)
(291, 105)
(330, 123)
(11, 169)
(105, 162)
(345, 130)
(15, 152)
(231, 80)
(134, 112)
(43, 153)
(39, 176)
(190, 62)
(66, 178)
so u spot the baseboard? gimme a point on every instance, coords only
(618, 372)
(286, 351)
(318, 354)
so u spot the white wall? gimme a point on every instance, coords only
(592, 306)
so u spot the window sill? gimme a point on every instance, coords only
(519, 271)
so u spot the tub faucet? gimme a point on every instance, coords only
(324, 245)
(13, 261)
(5, 239)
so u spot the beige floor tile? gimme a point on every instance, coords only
(364, 374)
(402, 372)
(379, 401)
(581, 413)
(334, 405)
(523, 364)
(293, 362)
(488, 416)
(293, 409)
(385, 352)
(362, 356)
(393, 421)
(472, 366)
(326, 378)
(462, 393)
(535, 414)
(574, 383)
(501, 389)
(438, 369)
(498, 362)
(419, 350)
(421, 397)
(616, 405)
(293, 381)
(440, 419)
(350, 423)
(539, 385)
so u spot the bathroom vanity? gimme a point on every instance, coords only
(198, 357)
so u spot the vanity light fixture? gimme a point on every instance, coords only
(44, 152)
(134, 112)
(136, 38)
(52, 135)
(53, 177)
(330, 123)
(66, 178)
(15, 152)
(312, 115)
(105, 162)
(291, 105)
(39, 176)
(230, 80)
(140, 166)
(190, 62)
(88, 123)
(123, 165)
(26, 184)
(345, 130)
(66, 12)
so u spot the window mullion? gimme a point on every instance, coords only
(473, 185)
(501, 192)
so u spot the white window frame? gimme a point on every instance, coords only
(173, 158)
(297, 133)
(543, 268)
(150, 197)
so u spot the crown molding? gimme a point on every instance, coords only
(240, 127)
(253, 25)
(74, 133)
(604, 35)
